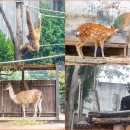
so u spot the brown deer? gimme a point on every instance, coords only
(26, 97)
(122, 20)
(93, 33)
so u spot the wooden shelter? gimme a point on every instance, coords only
(50, 90)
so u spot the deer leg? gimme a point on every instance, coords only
(23, 107)
(95, 51)
(79, 50)
(102, 48)
(40, 107)
(35, 109)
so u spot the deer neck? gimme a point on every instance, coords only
(13, 95)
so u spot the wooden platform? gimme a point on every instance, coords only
(72, 60)
(117, 45)
(110, 117)
(119, 40)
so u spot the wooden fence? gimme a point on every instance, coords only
(9, 109)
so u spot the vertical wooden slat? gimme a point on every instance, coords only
(57, 92)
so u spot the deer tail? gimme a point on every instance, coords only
(77, 32)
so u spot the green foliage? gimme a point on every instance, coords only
(52, 33)
(86, 74)
(6, 48)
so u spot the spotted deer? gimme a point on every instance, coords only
(93, 33)
(24, 98)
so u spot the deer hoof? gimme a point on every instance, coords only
(82, 57)
(95, 57)
(34, 116)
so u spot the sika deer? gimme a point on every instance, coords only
(93, 33)
(25, 97)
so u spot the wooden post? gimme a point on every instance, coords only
(22, 80)
(116, 102)
(19, 28)
(128, 44)
(2, 100)
(57, 92)
(81, 103)
(79, 81)
(80, 99)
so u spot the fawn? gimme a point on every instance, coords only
(93, 33)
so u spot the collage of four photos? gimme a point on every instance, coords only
(65, 65)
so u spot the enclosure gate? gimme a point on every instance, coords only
(9, 109)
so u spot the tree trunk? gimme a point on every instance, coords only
(19, 18)
(96, 105)
(71, 96)
(16, 48)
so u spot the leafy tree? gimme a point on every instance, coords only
(6, 48)
(52, 33)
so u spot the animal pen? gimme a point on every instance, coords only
(116, 47)
(50, 103)
(14, 24)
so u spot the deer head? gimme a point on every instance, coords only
(113, 30)
(8, 86)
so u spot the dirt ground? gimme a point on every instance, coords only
(29, 123)
(50, 126)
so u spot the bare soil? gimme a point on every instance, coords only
(48, 126)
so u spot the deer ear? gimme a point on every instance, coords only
(112, 27)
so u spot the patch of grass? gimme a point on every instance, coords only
(25, 122)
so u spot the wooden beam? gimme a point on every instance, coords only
(111, 120)
(117, 114)
(57, 92)
(16, 67)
